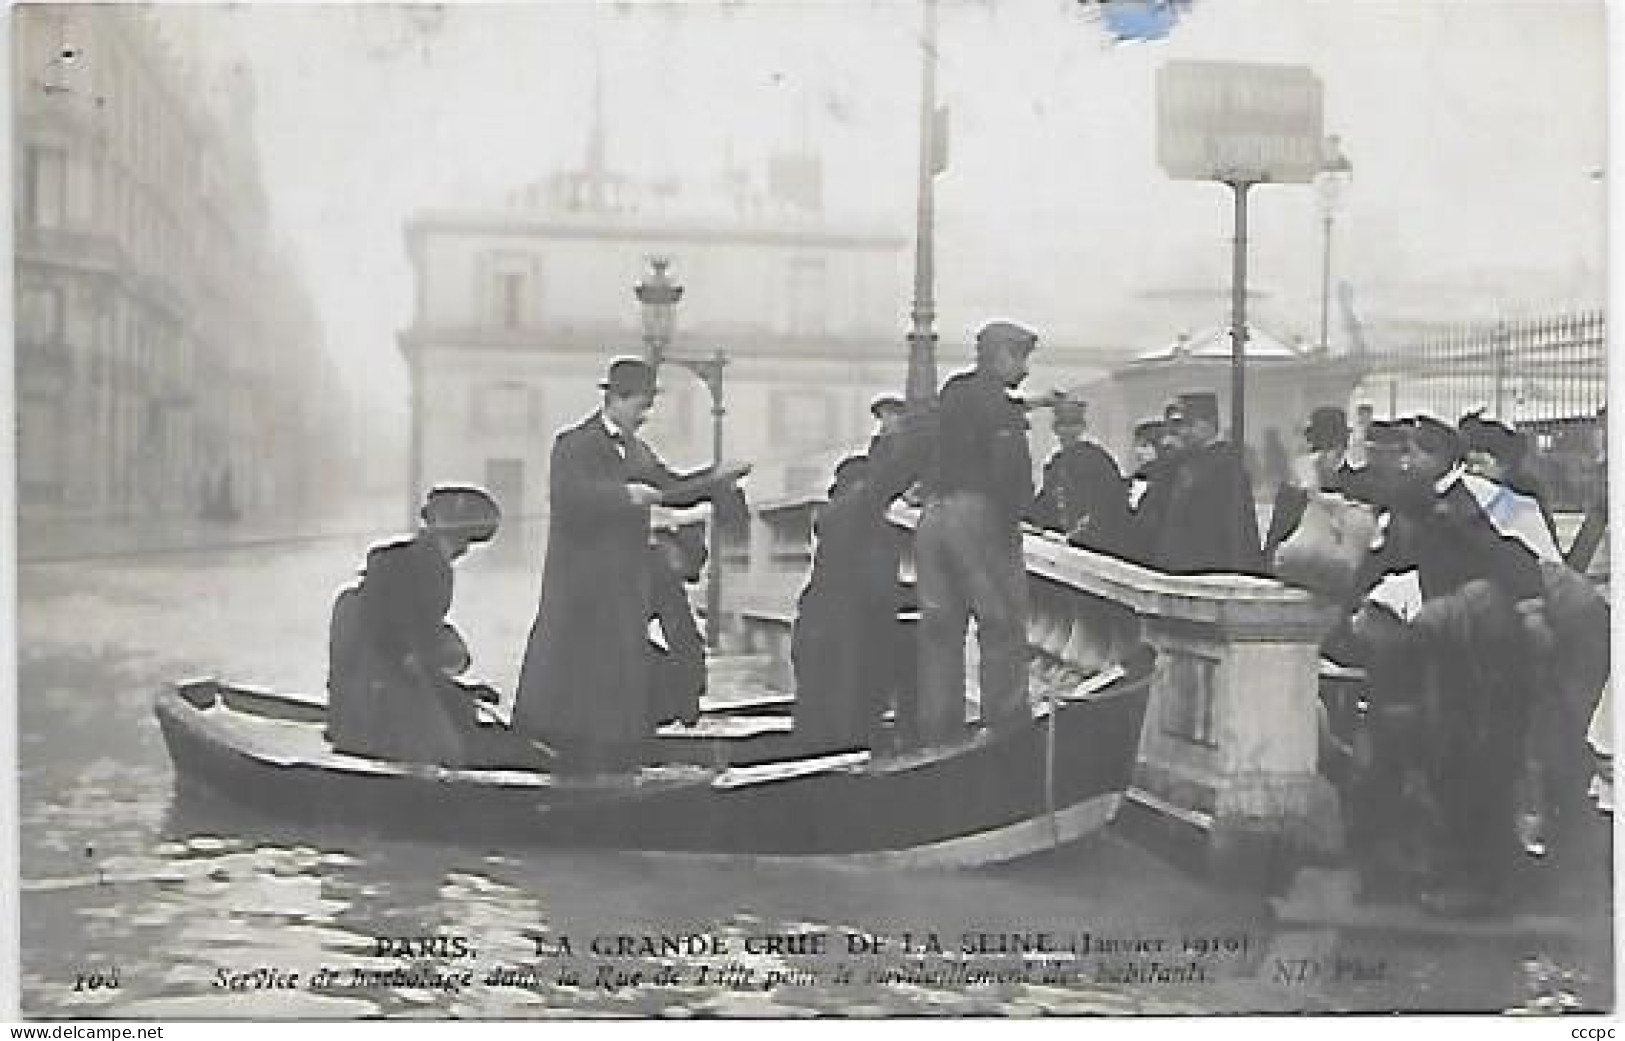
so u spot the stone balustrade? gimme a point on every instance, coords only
(1228, 752)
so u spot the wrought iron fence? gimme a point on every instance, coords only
(1545, 376)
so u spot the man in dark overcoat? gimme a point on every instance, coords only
(1083, 495)
(1210, 523)
(583, 686)
(847, 643)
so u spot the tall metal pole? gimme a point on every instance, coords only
(1326, 287)
(1238, 320)
(414, 462)
(921, 388)
(713, 585)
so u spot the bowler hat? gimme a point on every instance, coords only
(885, 403)
(628, 377)
(1199, 405)
(1328, 427)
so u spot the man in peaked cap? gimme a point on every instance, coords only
(1083, 495)
(1479, 622)
(583, 687)
(1210, 523)
(968, 546)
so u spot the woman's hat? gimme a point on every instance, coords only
(462, 508)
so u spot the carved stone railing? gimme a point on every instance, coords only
(1228, 751)
(1231, 737)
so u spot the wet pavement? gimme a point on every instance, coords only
(136, 904)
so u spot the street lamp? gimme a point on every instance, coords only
(1330, 186)
(658, 295)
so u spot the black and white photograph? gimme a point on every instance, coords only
(810, 509)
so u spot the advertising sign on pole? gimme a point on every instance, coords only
(1236, 121)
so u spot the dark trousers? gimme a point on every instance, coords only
(970, 565)
(1481, 665)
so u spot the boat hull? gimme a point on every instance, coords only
(985, 801)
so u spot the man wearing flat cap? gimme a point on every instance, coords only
(968, 546)
(583, 687)
(1479, 624)
(1210, 524)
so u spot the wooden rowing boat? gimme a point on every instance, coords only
(736, 783)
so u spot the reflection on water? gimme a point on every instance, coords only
(121, 877)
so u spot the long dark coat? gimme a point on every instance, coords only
(847, 644)
(1081, 480)
(676, 674)
(1210, 524)
(378, 704)
(584, 680)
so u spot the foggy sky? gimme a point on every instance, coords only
(1475, 128)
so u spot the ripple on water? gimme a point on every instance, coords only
(290, 1004)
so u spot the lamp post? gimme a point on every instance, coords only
(921, 388)
(1330, 186)
(658, 295)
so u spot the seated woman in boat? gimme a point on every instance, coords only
(393, 659)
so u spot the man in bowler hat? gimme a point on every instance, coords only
(583, 687)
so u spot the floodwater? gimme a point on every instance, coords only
(137, 905)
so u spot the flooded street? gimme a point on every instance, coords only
(136, 905)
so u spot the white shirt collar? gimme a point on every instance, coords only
(616, 434)
(1445, 483)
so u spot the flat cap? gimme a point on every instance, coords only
(1006, 332)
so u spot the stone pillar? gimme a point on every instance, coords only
(1228, 757)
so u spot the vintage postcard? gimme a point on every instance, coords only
(792, 509)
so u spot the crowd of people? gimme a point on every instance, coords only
(1485, 652)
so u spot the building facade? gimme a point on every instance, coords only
(520, 308)
(164, 350)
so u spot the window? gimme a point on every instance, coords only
(809, 296)
(505, 408)
(511, 281)
(45, 187)
(511, 294)
(802, 418)
(40, 314)
(38, 440)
